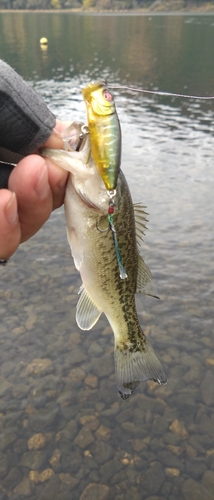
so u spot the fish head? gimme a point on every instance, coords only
(76, 158)
(104, 131)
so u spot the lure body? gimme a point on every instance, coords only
(104, 131)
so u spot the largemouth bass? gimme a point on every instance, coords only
(92, 245)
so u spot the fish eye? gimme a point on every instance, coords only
(107, 95)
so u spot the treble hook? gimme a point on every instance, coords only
(102, 230)
(110, 227)
(84, 132)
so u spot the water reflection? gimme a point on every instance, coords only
(164, 51)
(64, 433)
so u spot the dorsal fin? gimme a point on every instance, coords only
(140, 221)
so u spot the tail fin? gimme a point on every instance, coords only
(134, 364)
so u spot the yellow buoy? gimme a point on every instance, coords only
(43, 41)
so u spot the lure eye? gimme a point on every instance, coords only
(107, 95)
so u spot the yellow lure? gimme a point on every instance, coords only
(105, 133)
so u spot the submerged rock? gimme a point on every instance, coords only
(95, 491)
(40, 366)
(24, 488)
(178, 428)
(37, 442)
(193, 490)
(84, 438)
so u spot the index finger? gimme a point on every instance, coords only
(55, 141)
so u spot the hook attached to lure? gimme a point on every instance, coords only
(111, 208)
(111, 226)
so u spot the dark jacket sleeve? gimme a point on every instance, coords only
(25, 120)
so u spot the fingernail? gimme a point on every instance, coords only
(11, 213)
(42, 186)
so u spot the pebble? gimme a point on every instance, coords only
(195, 467)
(55, 458)
(138, 444)
(45, 419)
(50, 489)
(39, 366)
(45, 475)
(70, 430)
(33, 459)
(208, 480)
(34, 476)
(12, 479)
(95, 492)
(178, 428)
(91, 421)
(91, 380)
(177, 450)
(6, 439)
(40, 477)
(84, 437)
(69, 480)
(103, 432)
(76, 374)
(24, 488)
(37, 442)
(102, 451)
(193, 490)
(103, 366)
(210, 361)
(153, 479)
(172, 472)
(109, 469)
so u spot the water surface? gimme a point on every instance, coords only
(160, 441)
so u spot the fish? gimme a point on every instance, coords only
(101, 245)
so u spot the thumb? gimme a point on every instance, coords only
(10, 233)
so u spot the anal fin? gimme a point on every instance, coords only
(145, 281)
(87, 313)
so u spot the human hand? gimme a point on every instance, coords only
(36, 187)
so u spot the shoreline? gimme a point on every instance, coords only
(163, 9)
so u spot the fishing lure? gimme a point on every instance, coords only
(105, 132)
(105, 138)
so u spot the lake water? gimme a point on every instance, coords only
(65, 433)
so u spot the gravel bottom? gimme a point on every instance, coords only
(64, 431)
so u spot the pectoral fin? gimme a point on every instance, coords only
(145, 282)
(87, 313)
(76, 251)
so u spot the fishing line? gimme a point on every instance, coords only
(159, 92)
